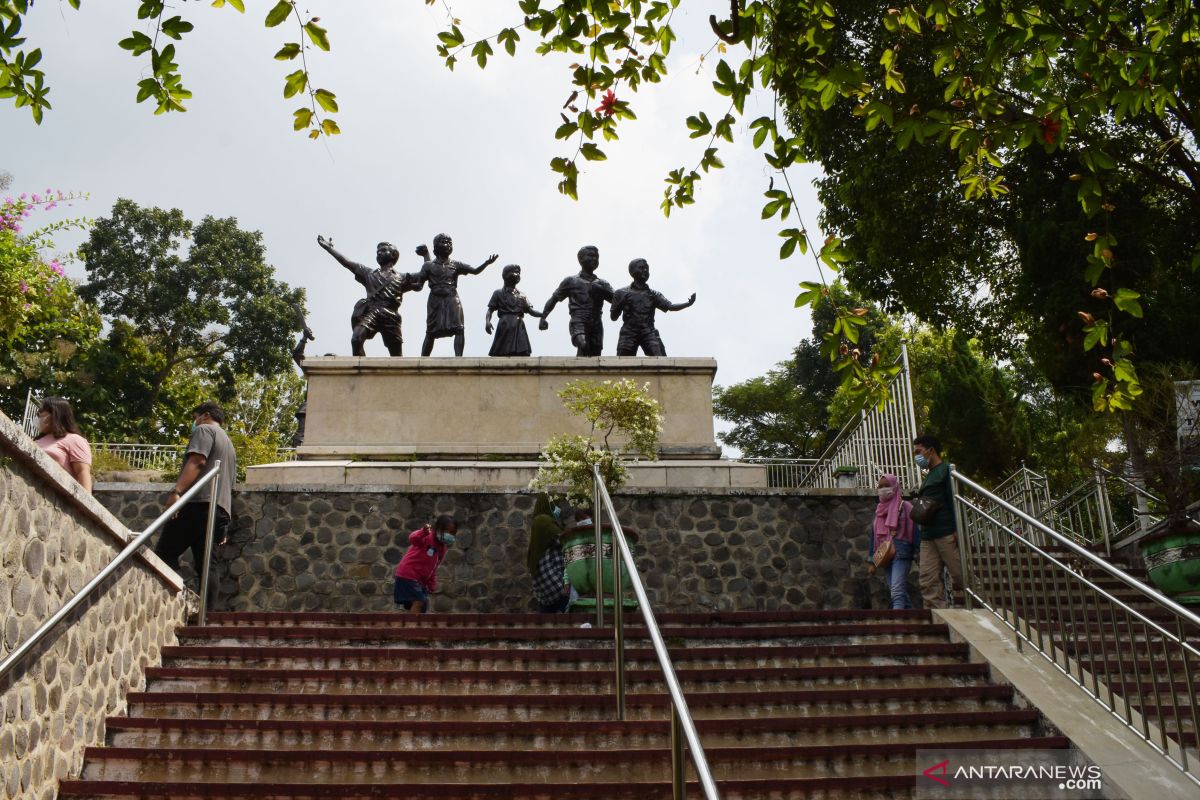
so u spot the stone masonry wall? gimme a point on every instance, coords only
(53, 539)
(334, 548)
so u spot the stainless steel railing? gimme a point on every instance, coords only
(22, 650)
(782, 473)
(1115, 643)
(878, 440)
(683, 728)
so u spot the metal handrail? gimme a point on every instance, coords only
(875, 440)
(23, 649)
(1024, 607)
(681, 718)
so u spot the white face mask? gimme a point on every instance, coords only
(886, 492)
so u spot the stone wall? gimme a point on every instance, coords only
(334, 548)
(53, 539)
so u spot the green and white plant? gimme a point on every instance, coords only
(625, 422)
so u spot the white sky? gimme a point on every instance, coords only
(423, 150)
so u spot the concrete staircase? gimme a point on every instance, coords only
(825, 704)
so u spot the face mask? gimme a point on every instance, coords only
(886, 493)
(923, 461)
(446, 538)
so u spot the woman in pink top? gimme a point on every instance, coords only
(61, 440)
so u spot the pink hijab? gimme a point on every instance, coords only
(893, 514)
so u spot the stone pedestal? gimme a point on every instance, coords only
(473, 422)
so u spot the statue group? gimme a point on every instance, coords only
(379, 312)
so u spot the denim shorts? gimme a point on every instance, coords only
(408, 592)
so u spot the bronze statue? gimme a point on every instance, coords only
(379, 311)
(585, 294)
(444, 311)
(511, 337)
(637, 303)
(306, 336)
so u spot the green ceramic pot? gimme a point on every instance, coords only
(1172, 559)
(579, 552)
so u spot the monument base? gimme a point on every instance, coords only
(475, 409)
(444, 475)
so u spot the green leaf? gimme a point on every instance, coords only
(326, 100)
(278, 14)
(1127, 301)
(288, 51)
(295, 83)
(317, 35)
(592, 153)
(302, 118)
(329, 127)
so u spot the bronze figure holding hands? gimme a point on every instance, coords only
(511, 337)
(585, 294)
(637, 303)
(444, 316)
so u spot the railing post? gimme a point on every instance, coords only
(908, 396)
(677, 764)
(963, 538)
(618, 630)
(1104, 510)
(208, 544)
(599, 570)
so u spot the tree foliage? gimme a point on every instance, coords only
(624, 421)
(215, 306)
(159, 28)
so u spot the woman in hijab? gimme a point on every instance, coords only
(893, 521)
(545, 560)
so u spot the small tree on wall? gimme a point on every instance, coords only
(625, 421)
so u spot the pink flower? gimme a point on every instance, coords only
(24, 287)
(26, 307)
(57, 268)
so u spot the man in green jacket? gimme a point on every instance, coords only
(939, 541)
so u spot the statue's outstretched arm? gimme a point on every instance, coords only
(681, 306)
(327, 246)
(491, 260)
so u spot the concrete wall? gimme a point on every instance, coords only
(53, 539)
(334, 548)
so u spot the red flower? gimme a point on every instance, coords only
(608, 104)
(1050, 128)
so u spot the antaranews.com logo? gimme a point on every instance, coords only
(1011, 774)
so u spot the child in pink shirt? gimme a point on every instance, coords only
(416, 574)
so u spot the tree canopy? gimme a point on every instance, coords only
(1102, 95)
(215, 306)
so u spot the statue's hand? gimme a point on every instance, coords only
(692, 299)
(488, 328)
(423, 251)
(543, 325)
(308, 334)
(321, 240)
(491, 259)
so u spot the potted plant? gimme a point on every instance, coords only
(624, 421)
(1163, 435)
(846, 477)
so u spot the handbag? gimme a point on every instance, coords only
(924, 509)
(883, 554)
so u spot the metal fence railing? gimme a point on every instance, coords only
(1133, 650)
(783, 473)
(878, 440)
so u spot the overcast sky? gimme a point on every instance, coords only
(423, 150)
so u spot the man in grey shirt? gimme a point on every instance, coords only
(208, 444)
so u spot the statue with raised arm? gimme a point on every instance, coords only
(585, 295)
(511, 337)
(635, 305)
(444, 315)
(379, 311)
